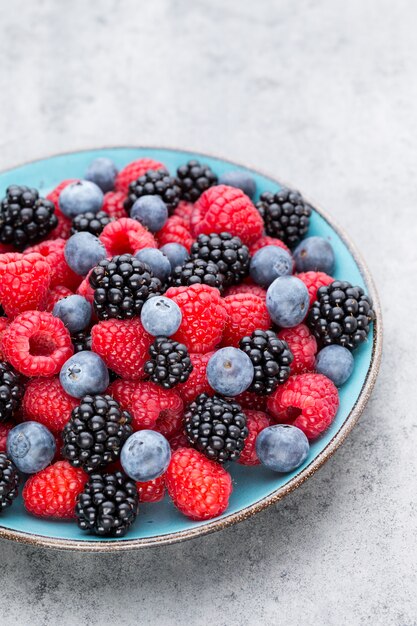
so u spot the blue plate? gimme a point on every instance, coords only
(254, 488)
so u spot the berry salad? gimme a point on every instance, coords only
(156, 327)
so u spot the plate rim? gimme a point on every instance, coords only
(297, 480)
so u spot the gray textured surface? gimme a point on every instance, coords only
(322, 93)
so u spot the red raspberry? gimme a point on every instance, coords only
(122, 391)
(245, 313)
(63, 230)
(126, 236)
(199, 488)
(308, 401)
(46, 402)
(197, 381)
(5, 428)
(133, 170)
(53, 195)
(61, 273)
(37, 344)
(252, 401)
(175, 230)
(203, 316)
(152, 491)
(55, 295)
(53, 492)
(313, 281)
(24, 282)
(123, 345)
(223, 208)
(184, 210)
(86, 290)
(303, 345)
(156, 408)
(113, 204)
(267, 241)
(180, 440)
(256, 290)
(4, 322)
(255, 421)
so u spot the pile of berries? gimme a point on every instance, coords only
(157, 326)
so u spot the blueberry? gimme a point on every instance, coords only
(151, 211)
(31, 447)
(102, 172)
(230, 371)
(269, 263)
(176, 253)
(335, 362)
(145, 455)
(80, 197)
(74, 311)
(83, 251)
(287, 301)
(239, 179)
(314, 254)
(161, 316)
(84, 373)
(157, 261)
(282, 448)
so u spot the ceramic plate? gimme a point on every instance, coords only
(254, 488)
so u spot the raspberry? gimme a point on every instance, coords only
(157, 409)
(126, 236)
(123, 345)
(5, 428)
(268, 241)
(184, 210)
(203, 316)
(86, 290)
(252, 401)
(180, 440)
(175, 230)
(199, 488)
(37, 344)
(133, 170)
(313, 281)
(46, 402)
(61, 273)
(255, 422)
(4, 322)
(53, 195)
(303, 345)
(24, 282)
(308, 401)
(122, 391)
(53, 492)
(63, 230)
(197, 382)
(113, 204)
(247, 288)
(55, 295)
(152, 491)
(245, 313)
(223, 208)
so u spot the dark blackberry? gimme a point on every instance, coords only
(169, 364)
(216, 427)
(341, 314)
(155, 183)
(25, 218)
(9, 481)
(95, 433)
(271, 359)
(286, 215)
(11, 391)
(89, 222)
(197, 271)
(108, 506)
(81, 341)
(229, 253)
(121, 286)
(194, 178)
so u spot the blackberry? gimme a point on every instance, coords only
(90, 222)
(25, 218)
(81, 341)
(169, 364)
(9, 480)
(108, 506)
(286, 215)
(121, 286)
(271, 359)
(155, 183)
(341, 315)
(197, 271)
(11, 391)
(194, 178)
(216, 427)
(95, 432)
(229, 253)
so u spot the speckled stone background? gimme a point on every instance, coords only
(321, 93)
